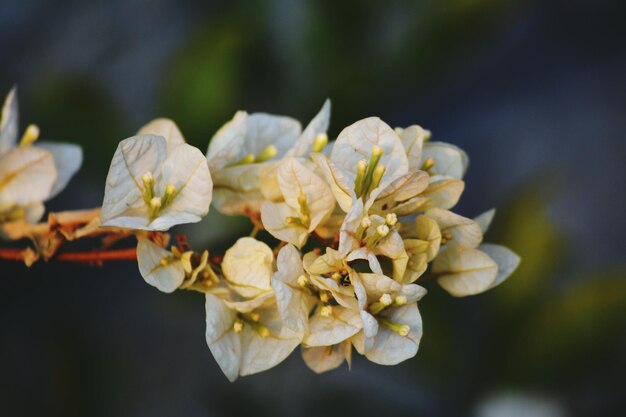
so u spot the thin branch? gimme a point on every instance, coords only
(97, 257)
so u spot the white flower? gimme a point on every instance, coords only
(155, 183)
(506, 259)
(293, 298)
(392, 324)
(456, 230)
(158, 266)
(246, 342)
(29, 174)
(244, 154)
(308, 202)
(422, 245)
(464, 271)
(326, 358)
(366, 157)
(248, 267)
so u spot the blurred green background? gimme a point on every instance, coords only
(533, 90)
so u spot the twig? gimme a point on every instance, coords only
(97, 257)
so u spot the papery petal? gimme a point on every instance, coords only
(318, 125)
(9, 123)
(464, 271)
(186, 169)
(68, 159)
(342, 324)
(247, 266)
(294, 180)
(27, 175)
(507, 261)
(484, 220)
(355, 143)
(325, 358)
(292, 301)
(450, 161)
(389, 348)
(262, 352)
(133, 158)
(341, 187)
(274, 218)
(412, 139)
(443, 193)
(225, 345)
(263, 130)
(465, 232)
(166, 128)
(167, 278)
(227, 145)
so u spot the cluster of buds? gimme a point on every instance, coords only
(349, 230)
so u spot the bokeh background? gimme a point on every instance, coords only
(535, 91)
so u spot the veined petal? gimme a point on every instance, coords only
(338, 183)
(356, 142)
(325, 358)
(342, 324)
(484, 220)
(263, 130)
(507, 261)
(26, 175)
(450, 161)
(412, 139)
(464, 232)
(262, 353)
(319, 124)
(464, 271)
(9, 123)
(133, 158)
(443, 193)
(168, 276)
(292, 301)
(225, 345)
(186, 169)
(389, 348)
(68, 159)
(247, 266)
(226, 146)
(166, 128)
(274, 218)
(296, 180)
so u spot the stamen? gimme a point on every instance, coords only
(326, 311)
(266, 154)
(391, 219)
(361, 168)
(400, 300)
(302, 281)
(401, 329)
(428, 164)
(321, 140)
(31, 134)
(238, 326)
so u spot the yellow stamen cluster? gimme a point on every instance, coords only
(369, 173)
(155, 203)
(31, 134)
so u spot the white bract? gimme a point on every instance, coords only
(30, 174)
(156, 182)
(308, 202)
(245, 153)
(376, 201)
(246, 342)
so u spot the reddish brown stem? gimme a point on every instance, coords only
(93, 257)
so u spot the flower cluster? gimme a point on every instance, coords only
(31, 172)
(351, 229)
(356, 223)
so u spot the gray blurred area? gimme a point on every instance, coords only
(534, 91)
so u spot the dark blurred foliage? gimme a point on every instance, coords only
(533, 90)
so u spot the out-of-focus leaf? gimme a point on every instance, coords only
(584, 322)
